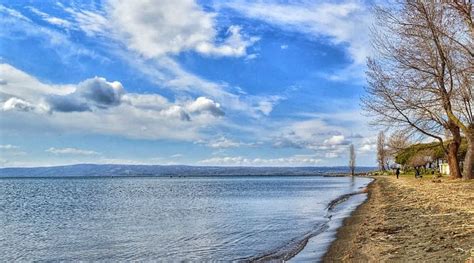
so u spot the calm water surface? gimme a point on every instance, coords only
(161, 218)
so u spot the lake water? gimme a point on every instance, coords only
(153, 218)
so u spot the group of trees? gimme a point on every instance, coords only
(389, 148)
(420, 80)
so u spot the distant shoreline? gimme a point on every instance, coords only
(408, 220)
(117, 170)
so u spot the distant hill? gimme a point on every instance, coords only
(83, 170)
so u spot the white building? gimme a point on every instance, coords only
(444, 168)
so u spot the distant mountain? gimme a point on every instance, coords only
(82, 170)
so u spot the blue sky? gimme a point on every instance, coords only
(259, 83)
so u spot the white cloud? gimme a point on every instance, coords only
(15, 25)
(8, 147)
(205, 105)
(223, 142)
(73, 151)
(16, 104)
(91, 22)
(345, 22)
(26, 87)
(176, 112)
(99, 106)
(11, 151)
(163, 27)
(266, 104)
(368, 145)
(336, 140)
(51, 19)
(324, 136)
(295, 160)
(367, 148)
(91, 93)
(152, 32)
(13, 13)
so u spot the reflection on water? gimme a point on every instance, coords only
(160, 218)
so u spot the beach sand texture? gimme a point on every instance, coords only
(409, 220)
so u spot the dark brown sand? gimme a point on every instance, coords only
(409, 220)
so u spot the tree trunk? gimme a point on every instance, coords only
(454, 169)
(453, 149)
(469, 159)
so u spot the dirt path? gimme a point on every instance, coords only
(409, 220)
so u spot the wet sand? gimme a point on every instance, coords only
(409, 220)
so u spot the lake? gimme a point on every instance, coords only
(162, 218)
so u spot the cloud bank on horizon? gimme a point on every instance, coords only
(263, 83)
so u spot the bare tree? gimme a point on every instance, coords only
(381, 153)
(397, 142)
(352, 159)
(421, 80)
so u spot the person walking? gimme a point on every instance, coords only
(397, 172)
(417, 172)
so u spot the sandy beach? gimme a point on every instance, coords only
(409, 220)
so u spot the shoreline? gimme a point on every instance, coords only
(408, 220)
(313, 245)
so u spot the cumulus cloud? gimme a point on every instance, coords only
(204, 105)
(317, 135)
(73, 151)
(101, 92)
(17, 104)
(146, 101)
(91, 93)
(115, 23)
(162, 27)
(101, 107)
(176, 112)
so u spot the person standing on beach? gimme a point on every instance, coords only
(397, 172)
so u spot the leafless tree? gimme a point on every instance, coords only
(381, 153)
(352, 159)
(421, 79)
(397, 142)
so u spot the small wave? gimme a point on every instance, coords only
(342, 199)
(295, 246)
(287, 251)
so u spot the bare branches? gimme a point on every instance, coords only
(422, 75)
(381, 153)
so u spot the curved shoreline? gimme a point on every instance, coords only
(294, 247)
(408, 220)
(343, 231)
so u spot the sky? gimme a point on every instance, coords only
(252, 83)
